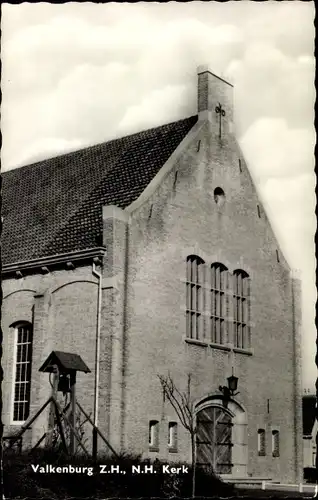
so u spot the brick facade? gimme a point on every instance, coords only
(143, 314)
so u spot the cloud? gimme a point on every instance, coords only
(175, 97)
(281, 160)
(290, 204)
(276, 85)
(46, 148)
(273, 149)
(122, 54)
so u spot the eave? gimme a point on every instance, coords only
(45, 264)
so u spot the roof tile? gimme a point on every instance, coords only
(55, 206)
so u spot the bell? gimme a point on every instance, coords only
(64, 384)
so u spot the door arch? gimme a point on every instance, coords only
(221, 439)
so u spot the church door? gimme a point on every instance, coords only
(214, 439)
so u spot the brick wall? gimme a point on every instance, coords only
(62, 306)
(143, 319)
(181, 218)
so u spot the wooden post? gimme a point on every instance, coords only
(94, 442)
(60, 426)
(51, 422)
(73, 414)
(97, 429)
(39, 441)
(78, 438)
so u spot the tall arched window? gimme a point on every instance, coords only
(23, 364)
(219, 285)
(195, 297)
(241, 294)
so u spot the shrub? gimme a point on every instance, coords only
(21, 480)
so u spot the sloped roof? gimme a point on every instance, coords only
(309, 403)
(64, 360)
(55, 206)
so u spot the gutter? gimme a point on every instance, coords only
(53, 259)
(97, 356)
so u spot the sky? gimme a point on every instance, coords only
(77, 74)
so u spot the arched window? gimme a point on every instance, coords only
(173, 436)
(154, 435)
(195, 297)
(219, 285)
(241, 294)
(23, 365)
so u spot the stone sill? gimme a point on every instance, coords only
(244, 480)
(222, 347)
(248, 352)
(207, 344)
(154, 449)
(196, 342)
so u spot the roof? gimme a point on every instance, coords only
(55, 206)
(64, 360)
(309, 403)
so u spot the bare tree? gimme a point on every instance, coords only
(183, 405)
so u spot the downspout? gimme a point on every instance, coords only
(97, 356)
(297, 382)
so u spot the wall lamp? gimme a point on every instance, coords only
(229, 390)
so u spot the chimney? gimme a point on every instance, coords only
(215, 101)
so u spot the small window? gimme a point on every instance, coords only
(154, 435)
(173, 436)
(23, 365)
(219, 196)
(275, 443)
(261, 443)
(258, 211)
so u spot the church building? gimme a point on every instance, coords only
(152, 255)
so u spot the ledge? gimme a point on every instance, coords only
(222, 347)
(196, 342)
(247, 352)
(229, 478)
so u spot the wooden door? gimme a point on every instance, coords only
(214, 440)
